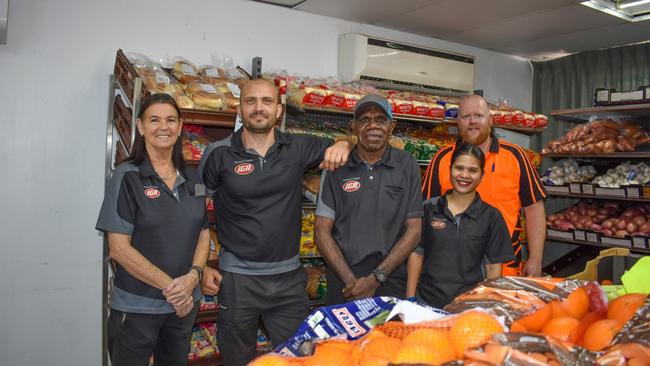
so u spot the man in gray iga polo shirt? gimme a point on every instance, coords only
(255, 179)
(368, 218)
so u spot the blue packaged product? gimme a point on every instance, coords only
(351, 320)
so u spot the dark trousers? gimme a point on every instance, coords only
(394, 286)
(280, 300)
(133, 337)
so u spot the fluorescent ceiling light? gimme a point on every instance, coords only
(630, 10)
(633, 3)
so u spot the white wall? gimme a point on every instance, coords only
(53, 105)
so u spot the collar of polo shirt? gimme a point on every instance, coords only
(473, 211)
(387, 158)
(237, 144)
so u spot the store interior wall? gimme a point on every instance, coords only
(54, 87)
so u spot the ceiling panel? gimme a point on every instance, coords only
(453, 16)
(587, 40)
(536, 26)
(364, 11)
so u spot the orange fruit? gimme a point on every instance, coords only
(417, 353)
(600, 334)
(624, 307)
(518, 327)
(586, 322)
(471, 329)
(434, 339)
(557, 310)
(270, 360)
(576, 305)
(535, 321)
(342, 345)
(606, 282)
(373, 361)
(382, 347)
(333, 357)
(564, 328)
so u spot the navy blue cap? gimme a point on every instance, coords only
(374, 99)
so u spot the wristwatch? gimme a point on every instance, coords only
(199, 271)
(380, 275)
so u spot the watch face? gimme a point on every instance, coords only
(380, 275)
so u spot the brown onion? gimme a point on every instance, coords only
(607, 224)
(592, 212)
(645, 228)
(606, 232)
(596, 227)
(620, 224)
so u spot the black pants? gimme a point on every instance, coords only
(394, 286)
(133, 337)
(280, 300)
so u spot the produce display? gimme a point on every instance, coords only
(568, 171)
(609, 219)
(548, 321)
(624, 174)
(598, 137)
(316, 281)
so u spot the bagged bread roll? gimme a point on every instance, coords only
(185, 71)
(204, 95)
(213, 75)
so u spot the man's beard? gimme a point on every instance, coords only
(260, 128)
(476, 139)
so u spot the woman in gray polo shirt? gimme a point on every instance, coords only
(155, 218)
(464, 240)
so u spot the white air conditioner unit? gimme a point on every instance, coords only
(4, 15)
(400, 66)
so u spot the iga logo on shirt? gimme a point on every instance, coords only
(152, 192)
(244, 168)
(438, 224)
(351, 186)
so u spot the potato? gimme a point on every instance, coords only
(620, 234)
(564, 225)
(620, 224)
(596, 227)
(645, 228)
(639, 220)
(631, 227)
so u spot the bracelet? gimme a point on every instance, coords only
(199, 271)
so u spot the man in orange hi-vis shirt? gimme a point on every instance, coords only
(510, 183)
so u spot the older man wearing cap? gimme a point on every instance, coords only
(369, 211)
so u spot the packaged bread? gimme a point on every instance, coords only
(213, 74)
(230, 92)
(156, 80)
(185, 71)
(204, 95)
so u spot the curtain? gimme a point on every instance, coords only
(570, 82)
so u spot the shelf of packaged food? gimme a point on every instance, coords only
(616, 155)
(209, 118)
(618, 111)
(599, 245)
(207, 316)
(609, 198)
(407, 117)
(424, 162)
(311, 256)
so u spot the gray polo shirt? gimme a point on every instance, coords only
(370, 203)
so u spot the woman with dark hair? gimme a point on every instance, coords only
(155, 218)
(464, 240)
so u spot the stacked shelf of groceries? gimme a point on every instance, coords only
(425, 122)
(605, 165)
